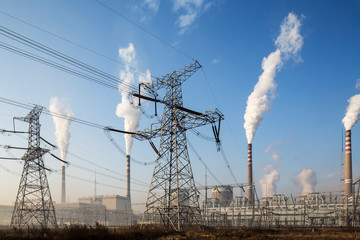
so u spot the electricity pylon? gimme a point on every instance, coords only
(33, 205)
(173, 199)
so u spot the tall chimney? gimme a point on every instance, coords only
(63, 194)
(348, 165)
(249, 175)
(128, 177)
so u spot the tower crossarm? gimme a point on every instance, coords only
(179, 76)
(190, 120)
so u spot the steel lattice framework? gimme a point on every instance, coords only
(173, 199)
(33, 205)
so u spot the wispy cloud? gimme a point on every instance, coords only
(271, 145)
(152, 5)
(147, 9)
(357, 85)
(332, 174)
(215, 61)
(276, 156)
(191, 10)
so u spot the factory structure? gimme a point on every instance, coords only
(113, 210)
(333, 208)
(313, 209)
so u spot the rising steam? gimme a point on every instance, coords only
(352, 112)
(131, 112)
(62, 132)
(307, 179)
(268, 181)
(288, 44)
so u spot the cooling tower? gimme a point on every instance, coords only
(348, 165)
(249, 176)
(63, 194)
(128, 177)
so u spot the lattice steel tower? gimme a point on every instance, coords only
(33, 205)
(173, 199)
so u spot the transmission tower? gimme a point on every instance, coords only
(173, 198)
(33, 205)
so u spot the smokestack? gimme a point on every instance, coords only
(249, 175)
(348, 165)
(128, 177)
(63, 194)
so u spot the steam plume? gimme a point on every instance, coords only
(352, 112)
(288, 44)
(307, 179)
(131, 112)
(62, 132)
(268, 181)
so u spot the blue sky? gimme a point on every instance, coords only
(229, 39)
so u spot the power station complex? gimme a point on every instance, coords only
(173, 198)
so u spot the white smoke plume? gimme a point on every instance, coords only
(352, 112)
(131, 112)
(268, 181)
(62, 125)
(288, 44)
(307, 179)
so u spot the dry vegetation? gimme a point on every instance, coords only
(151, 232)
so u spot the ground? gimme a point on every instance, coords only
(153, 232)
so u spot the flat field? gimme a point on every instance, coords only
(153, 232)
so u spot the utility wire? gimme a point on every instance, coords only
(55, 65)
(29, 107)
(58, 55)
(47, 112)
(218, 105)
(117, 146)
(200, 159)
(228, 165)
(99, 183)
(87, 72)
(105, 175)
(106, 169)
(74, 43)
(145, 30)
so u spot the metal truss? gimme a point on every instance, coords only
(33, 205)
(173, 198)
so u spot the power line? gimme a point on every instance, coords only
(105, 175)
(145, 30)
(116, 145)
(87, 123)
(99, 183)
(72, 42)
(106, 169)
(47, 112)
(200, 159)
(87, 72)
(218, 105)
(56, 54)
(228, 165)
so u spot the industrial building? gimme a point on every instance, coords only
(314, 209)
(113, 210)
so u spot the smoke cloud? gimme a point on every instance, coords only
(62, 125)
(131, 112)
(288, 44)
(352, 112)
(268, 181)
(307, 179)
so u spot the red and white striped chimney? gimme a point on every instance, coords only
(249, 176)
(348, 165)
